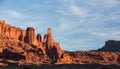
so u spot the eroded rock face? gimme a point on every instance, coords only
(31, 46)
(39, 37)
(30, 35)
(11, 31)
(89, 57)
(53, 49)
(13, 49)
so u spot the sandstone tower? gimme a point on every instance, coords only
(47, 46)
(30, 35)
(53, 49)
(39, 37)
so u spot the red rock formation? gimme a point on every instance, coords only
(11, 31)
(48, 47)
(31, 57)
(21, 37)
(2, 22)
(21, 45)
(30, 35)
(53, 49)
(49, 39)
(89, 57)
(39, 37)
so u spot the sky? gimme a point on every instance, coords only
(75, 24)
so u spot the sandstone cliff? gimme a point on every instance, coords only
(53, 49)
(16, 43)
(24, 46)
(11, 31)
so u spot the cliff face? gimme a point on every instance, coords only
(111, 46)
(53, 49)
(27, 35)
(30, 36)
(24, 46)
(11, 31)
(31, 46)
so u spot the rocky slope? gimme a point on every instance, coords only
(24, 46)
(89, 57)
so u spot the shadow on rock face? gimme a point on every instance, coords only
(12, 55)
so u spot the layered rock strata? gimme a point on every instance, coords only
(25, 47)
(48, 48)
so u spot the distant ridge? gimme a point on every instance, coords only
(111, 46)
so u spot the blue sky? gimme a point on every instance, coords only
(76, 24)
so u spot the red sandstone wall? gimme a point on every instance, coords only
(51, 48)
(11, 31)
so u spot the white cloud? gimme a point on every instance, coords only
(11, 14)
(73, 16)
(95, 18)
(78, 11)
(108, 34)
(14, 14)
(84, 16)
